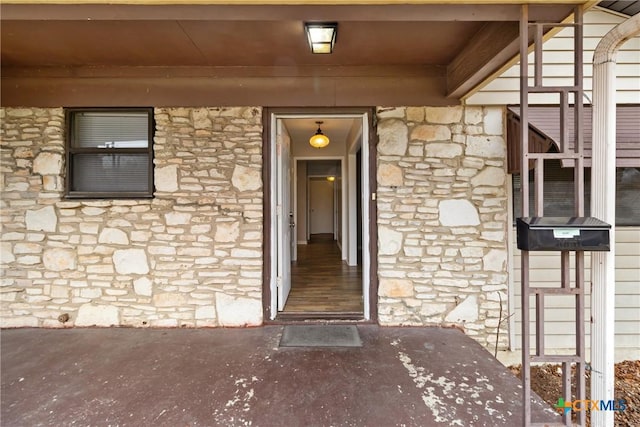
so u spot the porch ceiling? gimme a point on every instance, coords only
(227, 43)
(445, 49)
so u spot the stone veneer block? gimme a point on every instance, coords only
(433, 309)
(143, 286)
(390, 112)
(490, 176)
(6, 253)
(393, 134)
(131, 261)
(473, 115)
(493, 121)
(227, 232)
(97, 315)
(177, 218)
(113, 236)
(169, 299)
(444, 115)
(166, 178)
(466, 311)
(443, 150)
(390, 176)
(395, 288)
(58, 259)
(48, 164)
(495, 260)
(456, 213)
(486, 146)
(415, 114)
(246, 179)
(431, 133)
(206, 312)
(44, 219)
(240, 311)
(390, 241)
(19, 322)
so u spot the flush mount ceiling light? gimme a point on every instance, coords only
(319, 140)
(321, 36)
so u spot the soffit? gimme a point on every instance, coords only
(226, 43)
(626, 7)
(427, 44)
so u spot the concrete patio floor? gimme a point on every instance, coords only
(240, 377)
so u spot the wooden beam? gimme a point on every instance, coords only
(242, 12)
(300, 91)
(397, 71)
(494, 45)
(286, 2)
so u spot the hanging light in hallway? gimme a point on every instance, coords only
(319, 140)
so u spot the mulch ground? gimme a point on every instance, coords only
(546, 381)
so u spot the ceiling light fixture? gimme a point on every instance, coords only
(319, 140)
(321, 36)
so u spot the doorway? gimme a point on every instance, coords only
(321, 206)
(317, 223)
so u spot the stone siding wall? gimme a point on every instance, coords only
(192, 256)
(442, 218)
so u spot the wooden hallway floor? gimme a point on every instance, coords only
(321, 282)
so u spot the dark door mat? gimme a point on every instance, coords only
(320, 336)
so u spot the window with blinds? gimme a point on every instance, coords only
(109, 153)
(559, 193)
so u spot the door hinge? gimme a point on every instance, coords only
(278, 210)
(279, 282)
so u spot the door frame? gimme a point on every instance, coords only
(370, 237)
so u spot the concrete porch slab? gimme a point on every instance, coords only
(240, 377)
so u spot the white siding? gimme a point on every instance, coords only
(558, 66)
(559, 312)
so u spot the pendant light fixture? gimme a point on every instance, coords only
(319, 140)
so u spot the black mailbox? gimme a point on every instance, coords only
(562, 234)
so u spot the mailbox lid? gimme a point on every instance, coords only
(555, 222)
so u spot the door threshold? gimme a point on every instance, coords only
(320, 317)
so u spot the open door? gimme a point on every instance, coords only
(356, 193)
(284, 214)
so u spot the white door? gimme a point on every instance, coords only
(283, 210)
(320, 206)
